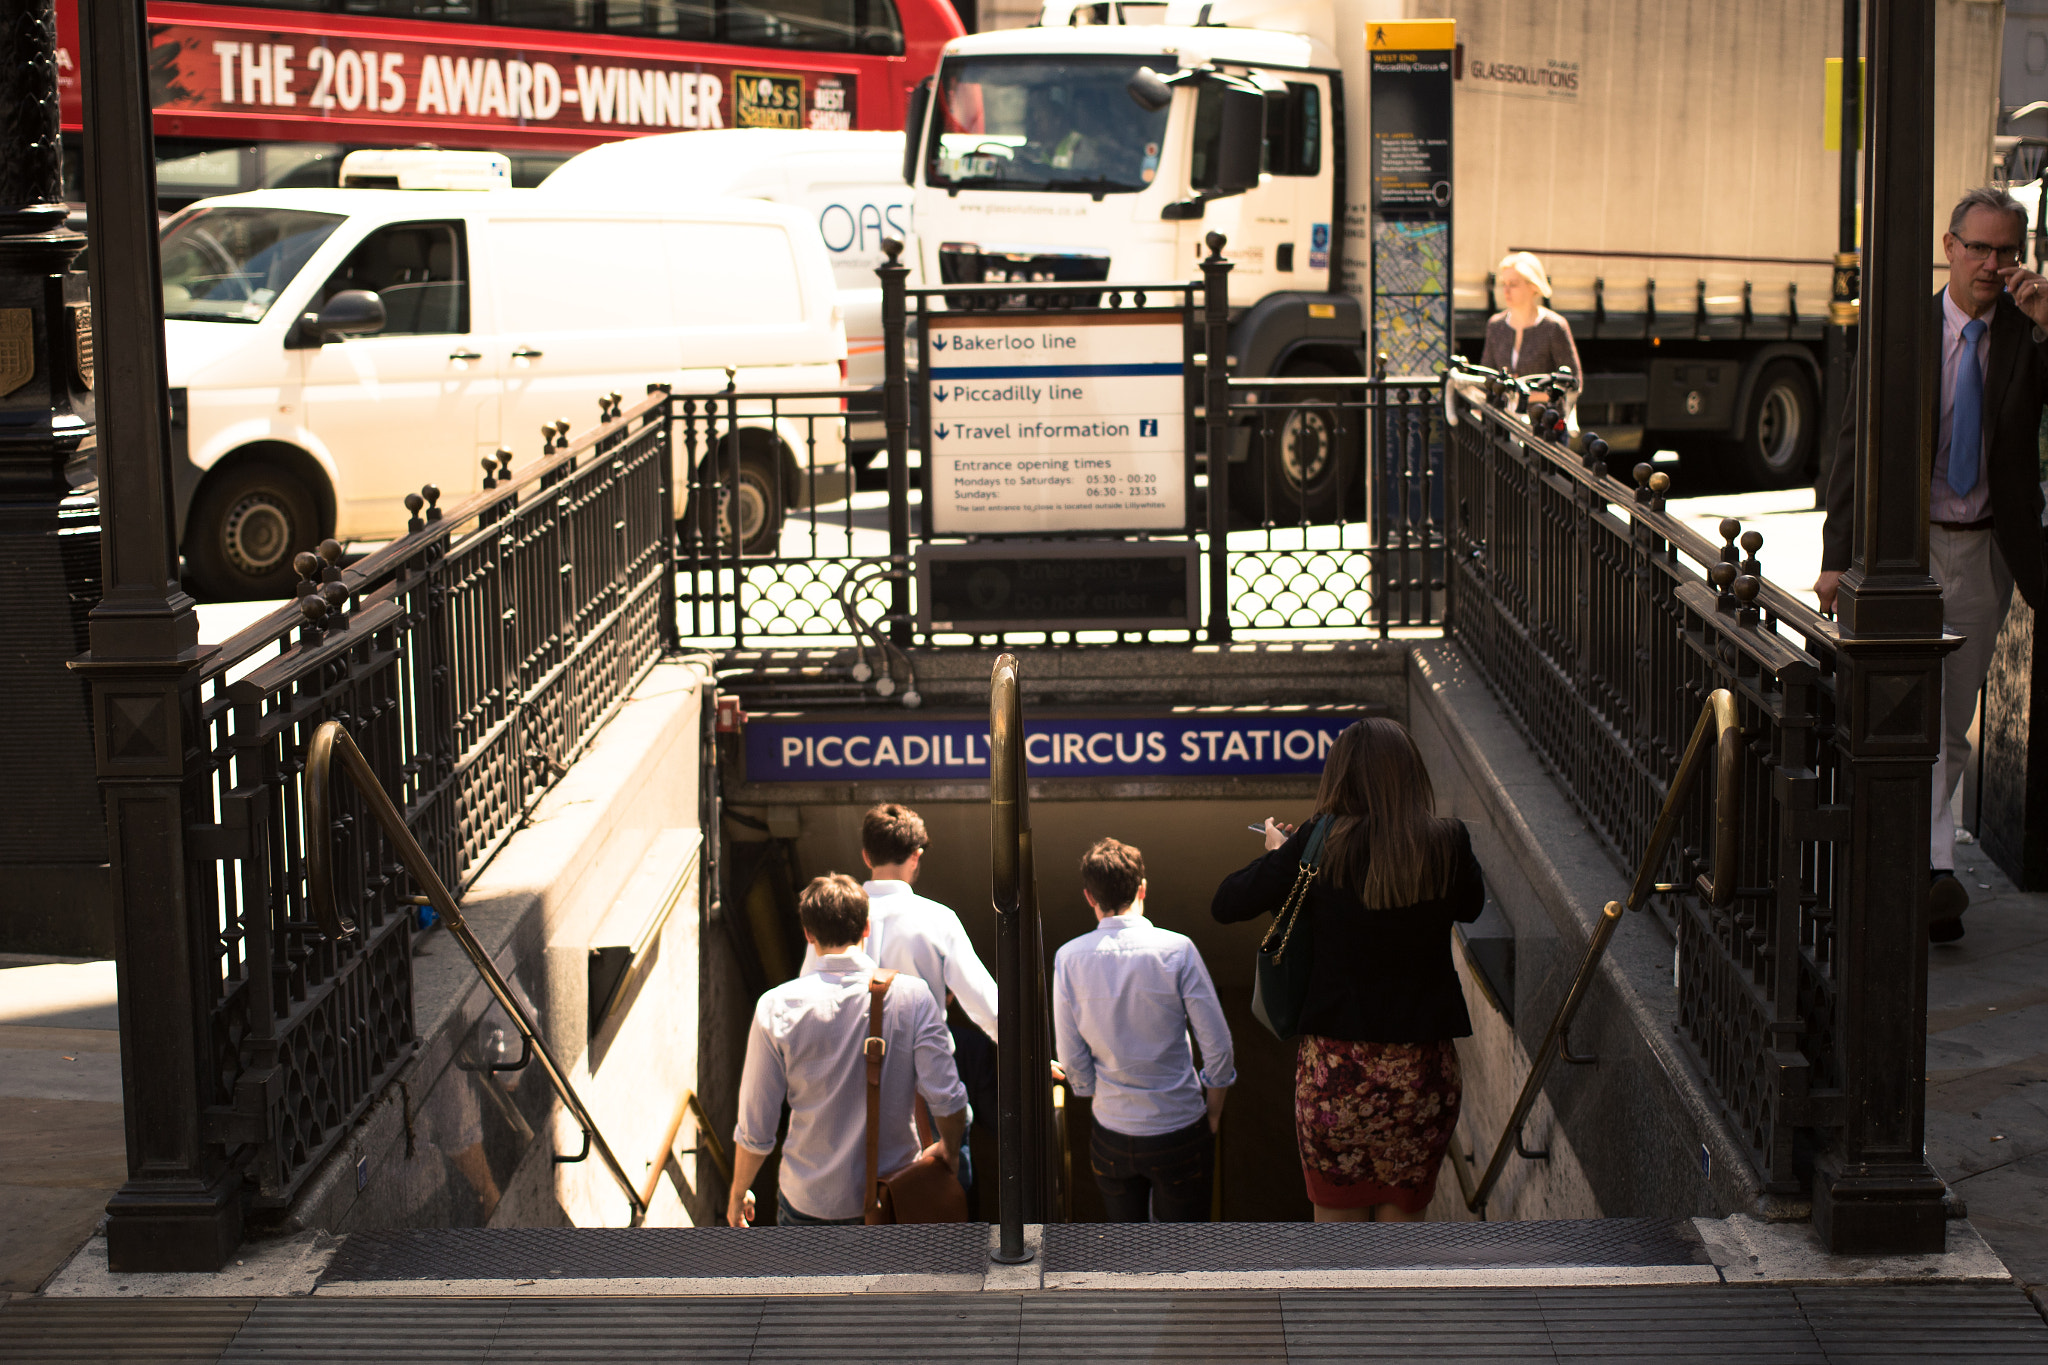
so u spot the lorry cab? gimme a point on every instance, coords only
(332, 350)
(1109, 152)
(1040, 164)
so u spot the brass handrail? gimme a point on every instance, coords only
(667, 1154)
(1717, 720)
(331, 741)
(1028, 1176)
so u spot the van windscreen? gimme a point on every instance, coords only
(230, 264)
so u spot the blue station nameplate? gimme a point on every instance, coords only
(1241, 745)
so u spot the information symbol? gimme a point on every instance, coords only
(1148, 426)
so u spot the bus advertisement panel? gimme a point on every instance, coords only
(245, 74)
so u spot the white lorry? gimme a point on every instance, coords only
(1666, 158)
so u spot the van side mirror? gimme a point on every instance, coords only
(1240, 140)
(919, 105)
(1149, 90)
(349, 313)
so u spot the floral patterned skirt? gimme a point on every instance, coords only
(1373, 1119)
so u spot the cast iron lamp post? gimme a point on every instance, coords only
(53, 845)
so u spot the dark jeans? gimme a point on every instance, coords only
(788, 1216)
(1163, 1179)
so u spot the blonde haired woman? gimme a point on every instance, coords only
(1525, 337)
(1376, 1084)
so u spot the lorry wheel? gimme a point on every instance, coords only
(245, 527)
(1779, 437)
(750, 505)
(1302, 463)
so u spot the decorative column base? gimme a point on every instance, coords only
(174, 1225)
(1879, 1210)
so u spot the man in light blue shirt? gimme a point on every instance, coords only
(1124, 1000)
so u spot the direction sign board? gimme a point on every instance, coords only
(1053, 423)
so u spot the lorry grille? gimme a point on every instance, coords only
(965, 263)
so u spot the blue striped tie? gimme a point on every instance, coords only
(1966, 433)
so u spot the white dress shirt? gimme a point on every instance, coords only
(807, 1045)
(918, 936)
(1123, 1000)
(1944, 503)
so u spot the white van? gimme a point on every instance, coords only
(848, 184)
(446, 325)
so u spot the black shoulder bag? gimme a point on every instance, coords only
(1280, 985)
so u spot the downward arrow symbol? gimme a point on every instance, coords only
(939, 343)
(942, 431)
(939, 393)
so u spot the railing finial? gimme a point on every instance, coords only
(1596, 455)
(413, 503)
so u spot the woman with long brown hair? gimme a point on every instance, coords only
(1376, 1086)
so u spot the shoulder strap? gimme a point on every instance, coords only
(875, 1048)
(1312, 855)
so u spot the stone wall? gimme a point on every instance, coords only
(611, 856)
(1637, 1133)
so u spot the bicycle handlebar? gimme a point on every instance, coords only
(1560, 380)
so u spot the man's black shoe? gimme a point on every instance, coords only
(1946, 901)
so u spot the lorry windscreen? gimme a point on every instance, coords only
(230, 264)
(1045, 123)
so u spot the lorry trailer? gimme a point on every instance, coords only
(1667, 158)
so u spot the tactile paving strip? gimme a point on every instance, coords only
(1170, 1248)
(541, 1254)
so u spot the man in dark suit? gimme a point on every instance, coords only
(1984, 512)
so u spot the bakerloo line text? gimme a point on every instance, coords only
(1057, 748)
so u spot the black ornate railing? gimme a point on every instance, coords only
(473, 658)
(1325, 515)
(1603, 623)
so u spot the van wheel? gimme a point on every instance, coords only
(750, 505)
(245, 527)
(1781, 431)
(1301, 464)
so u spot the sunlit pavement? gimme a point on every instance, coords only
(1785, 517)
(859, 529)
(62, 1145)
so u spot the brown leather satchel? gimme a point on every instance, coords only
(925, 1191)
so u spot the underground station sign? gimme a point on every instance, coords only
(1056, 424)
(839, 749)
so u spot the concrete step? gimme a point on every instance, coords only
(1986, 1325)
(1076, 1257)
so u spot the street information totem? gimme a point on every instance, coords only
(1057, 423)
(1411, 191)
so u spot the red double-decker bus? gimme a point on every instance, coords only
(252, 95)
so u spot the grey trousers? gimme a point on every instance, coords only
(1976, 589)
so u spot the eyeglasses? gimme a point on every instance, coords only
(1977, 251)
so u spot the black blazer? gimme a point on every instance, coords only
(2015, 389)
(1379, 976)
